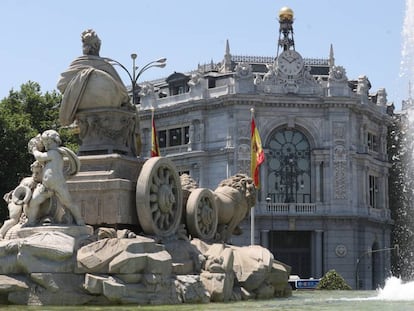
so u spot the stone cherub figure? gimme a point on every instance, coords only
(47, 150)
(19, 198)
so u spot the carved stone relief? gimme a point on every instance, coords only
(339, 130)
(340, 162)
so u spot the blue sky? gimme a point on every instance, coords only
(39, 38)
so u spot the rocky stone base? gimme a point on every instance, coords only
(72, 266)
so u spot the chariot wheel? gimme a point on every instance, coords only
(159, 197)
(202, 214)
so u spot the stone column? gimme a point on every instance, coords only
(365, 186)
(317, 256)
(264, 238)
(191, 137)
(318, 181)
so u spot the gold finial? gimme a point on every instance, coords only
(285, 13)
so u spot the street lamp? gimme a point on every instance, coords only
(396, 248)
(160, 63)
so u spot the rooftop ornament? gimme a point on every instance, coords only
(285, 14)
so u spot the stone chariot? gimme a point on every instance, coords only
(159, 203)
(107, 226)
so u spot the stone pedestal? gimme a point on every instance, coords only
(105, 188)
(105, 131)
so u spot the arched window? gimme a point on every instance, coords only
(289, 179)
(177, 83)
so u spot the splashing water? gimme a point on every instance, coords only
(396, 289)
(407, 60)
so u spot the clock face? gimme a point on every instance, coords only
(290, 62)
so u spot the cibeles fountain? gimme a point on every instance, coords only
(108, 227)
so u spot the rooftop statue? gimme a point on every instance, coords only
(90, 82)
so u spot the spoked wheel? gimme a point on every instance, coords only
(159, 197)
(202, 214)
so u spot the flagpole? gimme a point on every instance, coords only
(152, 115)
(252, 209)
(155, 149)
(152, 130)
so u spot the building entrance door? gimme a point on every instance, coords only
(294, 249)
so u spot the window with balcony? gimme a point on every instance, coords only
(174, 137)
(289, 179)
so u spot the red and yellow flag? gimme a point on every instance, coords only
(155, 150)
(258, 156)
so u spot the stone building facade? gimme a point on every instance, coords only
(323, 200)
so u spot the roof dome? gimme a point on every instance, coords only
(285, 13)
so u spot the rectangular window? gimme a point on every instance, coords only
(211, 83)
(174, 137)
(372, 142)
(162, 139)
(373, 191)
(186, 135)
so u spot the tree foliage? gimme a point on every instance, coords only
(332, 280)
(24, 114)
(401, 195)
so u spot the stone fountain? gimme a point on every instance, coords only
(108, 227)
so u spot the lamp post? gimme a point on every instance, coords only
(160, 63)
(396, 248)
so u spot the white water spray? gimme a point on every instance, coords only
(396, 289)
(407, 49)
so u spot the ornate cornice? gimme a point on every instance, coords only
(310, 102)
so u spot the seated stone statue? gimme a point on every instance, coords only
(90, 82)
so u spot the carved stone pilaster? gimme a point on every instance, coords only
(340, 161)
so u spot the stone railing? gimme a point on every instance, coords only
(185, 97)
(287, 209)
(220, 91)
(379, 213)
(309, 209)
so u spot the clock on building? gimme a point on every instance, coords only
(290, 62)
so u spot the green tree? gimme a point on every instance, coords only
(24, 114)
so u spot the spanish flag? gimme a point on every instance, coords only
(258, 156)
(155, 150)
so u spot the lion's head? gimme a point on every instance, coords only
(244, 184)
(187, 182)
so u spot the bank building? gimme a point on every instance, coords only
(323, 201)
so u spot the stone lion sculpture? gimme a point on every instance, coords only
(235, 197)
